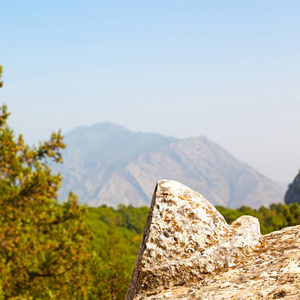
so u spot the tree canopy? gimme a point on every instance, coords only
(43, 244)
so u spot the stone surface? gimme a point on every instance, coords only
(293, 193)
(188, 251)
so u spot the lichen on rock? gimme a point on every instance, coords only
(185, 240)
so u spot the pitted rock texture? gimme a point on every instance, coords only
(185, 239)
(271, 271)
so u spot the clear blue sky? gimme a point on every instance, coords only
(228, 70)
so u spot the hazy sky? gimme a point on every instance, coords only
(227, 70)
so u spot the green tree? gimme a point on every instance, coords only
(43, 244)
(112, 268)
(117, 235)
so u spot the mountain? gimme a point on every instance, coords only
(293, 193)
(108, 164)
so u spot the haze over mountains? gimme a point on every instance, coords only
(108, 164)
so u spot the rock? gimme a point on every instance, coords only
(188, 251)
(293, 193)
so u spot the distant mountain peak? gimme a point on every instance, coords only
(108, 164)
(293, 193)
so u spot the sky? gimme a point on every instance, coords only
(227, 70)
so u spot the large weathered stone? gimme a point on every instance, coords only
(185, 241)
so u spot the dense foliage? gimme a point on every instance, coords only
(117, 235)
(43, 244)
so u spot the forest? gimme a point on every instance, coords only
(53, 250)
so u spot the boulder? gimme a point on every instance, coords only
(188, 251)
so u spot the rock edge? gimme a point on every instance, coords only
(186, 238)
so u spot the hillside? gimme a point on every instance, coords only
(108, 164)
(293, 193)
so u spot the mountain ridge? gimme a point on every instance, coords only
(108, 164)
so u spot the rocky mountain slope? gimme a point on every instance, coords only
(293, 193)
(108, 164)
